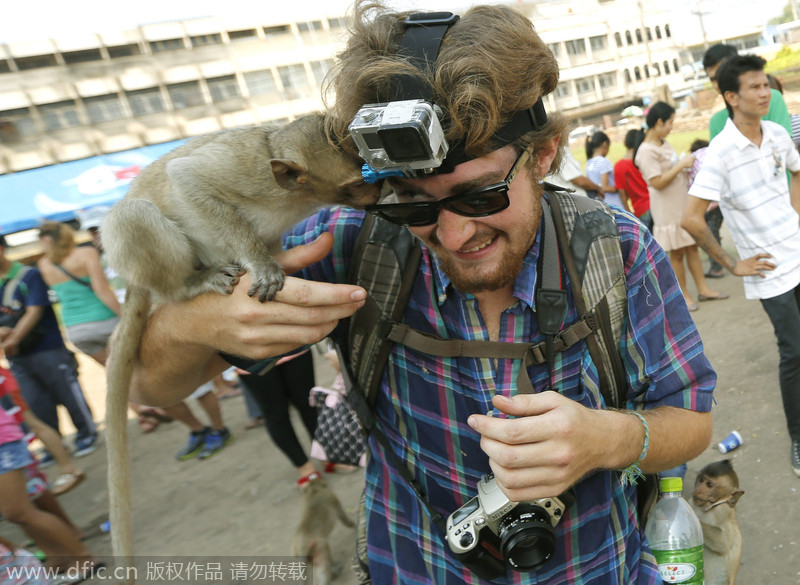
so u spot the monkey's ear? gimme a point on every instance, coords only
(734, 497)
(289, 174)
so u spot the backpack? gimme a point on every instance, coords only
(10, 316)
(580, 237)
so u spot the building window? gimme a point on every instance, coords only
(60, 115)
(104, 108)
(4, 66)
(648, 33)
(293, 76)
(638, 35)
(607, 80)
(336, 22)
(666, 67)
(185, 95)
(271, 31)
(658, 32)
(598, 43)
(73, 57)
(238, 35)
(637, 73)
(166, 45)
(563, 90)
(646, 72)
(628, 37)
(260, 82)
(628, 75)
(675, 65)
(123, 51)
(555, 48)
(666, 31)
(657, 69)
(309, 26)
(584, 85)
(576, 47)
(618, 39)
(16, 123)
(35, 62)
(145, 101)
(203, 40)
(321, 68)
(223, 88)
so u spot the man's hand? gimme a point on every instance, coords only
(753, 266)
(553, 443)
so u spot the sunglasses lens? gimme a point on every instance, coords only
(481, 204)
(410, 215)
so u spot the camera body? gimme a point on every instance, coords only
(400, 138)
(520, 533)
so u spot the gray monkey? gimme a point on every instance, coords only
(192, 222)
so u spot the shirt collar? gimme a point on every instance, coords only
(12, 272)
(741, 141)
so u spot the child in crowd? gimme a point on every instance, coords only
(600, 170)
(630, 183)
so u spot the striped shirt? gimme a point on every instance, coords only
(750, 184)
(424, 402)
(598, 166)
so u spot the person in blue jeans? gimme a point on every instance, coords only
(47, 372)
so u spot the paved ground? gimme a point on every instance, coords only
(243, 502)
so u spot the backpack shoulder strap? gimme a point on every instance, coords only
(385, 261)
(592, 257)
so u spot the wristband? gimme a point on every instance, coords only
(633, 473)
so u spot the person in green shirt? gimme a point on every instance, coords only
(713, 58)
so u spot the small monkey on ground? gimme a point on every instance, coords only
(196, 219)
(321, 508)
(716, 493)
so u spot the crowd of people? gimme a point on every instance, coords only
(446, 421)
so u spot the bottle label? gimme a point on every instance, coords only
(681, 566)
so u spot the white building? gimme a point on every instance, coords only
(79, 96)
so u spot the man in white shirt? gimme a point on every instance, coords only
(745, 171)
(570, 176)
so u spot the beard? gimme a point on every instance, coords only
(482, 276)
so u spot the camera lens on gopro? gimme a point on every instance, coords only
(527, 538)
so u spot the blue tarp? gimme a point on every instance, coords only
(57, 191)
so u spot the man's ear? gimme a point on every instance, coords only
(289, 174)
(731, 98)
(545, 155)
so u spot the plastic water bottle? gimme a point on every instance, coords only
(675, 536)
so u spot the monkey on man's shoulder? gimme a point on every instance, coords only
(716, 493)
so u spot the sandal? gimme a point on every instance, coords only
(66, 482)
(155, 413)
(148, 424)
(254, 423)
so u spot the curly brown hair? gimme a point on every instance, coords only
(491, 64)
(63, 238)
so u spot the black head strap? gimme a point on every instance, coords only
(420, 44)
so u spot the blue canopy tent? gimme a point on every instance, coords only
(57, 191)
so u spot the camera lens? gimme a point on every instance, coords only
(527, 538)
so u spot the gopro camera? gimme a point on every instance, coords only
(521, 533)
(399, 138)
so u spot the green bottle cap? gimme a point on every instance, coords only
(670, 484)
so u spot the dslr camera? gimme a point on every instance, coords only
(490, 529)
(399, 138)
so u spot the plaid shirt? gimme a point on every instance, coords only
(424, 402)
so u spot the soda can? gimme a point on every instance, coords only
(730, 442)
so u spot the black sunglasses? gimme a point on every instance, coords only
(478, 203)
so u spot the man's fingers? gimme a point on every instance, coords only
(299, 257)
(308, 293)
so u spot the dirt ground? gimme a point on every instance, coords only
(243, 502)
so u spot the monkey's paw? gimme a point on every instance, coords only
(267, 282)
(225, 278)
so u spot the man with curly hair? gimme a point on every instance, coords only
(478, 220)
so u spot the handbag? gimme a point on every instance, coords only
(339, 437)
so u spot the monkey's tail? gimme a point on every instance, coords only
(124, 348)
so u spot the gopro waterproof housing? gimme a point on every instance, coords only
(400, 138)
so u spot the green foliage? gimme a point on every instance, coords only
(786, 58)
(785, 16)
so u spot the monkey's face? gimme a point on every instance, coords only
(706, 491)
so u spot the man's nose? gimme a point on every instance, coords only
(453, 230)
